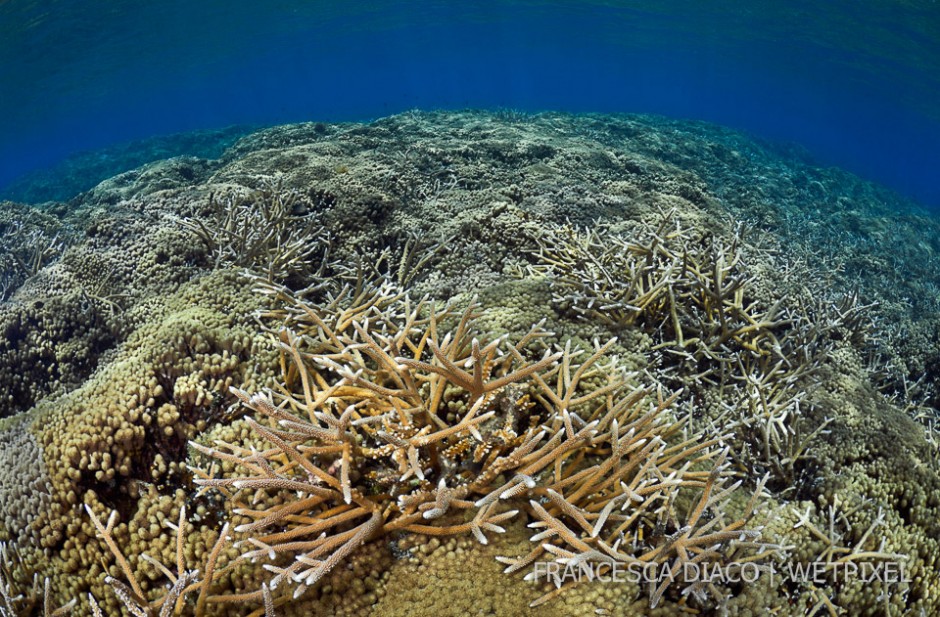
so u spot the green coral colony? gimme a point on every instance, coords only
(399, 368)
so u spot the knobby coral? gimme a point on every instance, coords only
(413, 439)
(13, 604)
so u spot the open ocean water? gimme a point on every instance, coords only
(502, 308)
(855, 83)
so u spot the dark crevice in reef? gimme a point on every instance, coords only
(48, 346)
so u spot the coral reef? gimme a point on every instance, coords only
(29, 241)
(398, 367)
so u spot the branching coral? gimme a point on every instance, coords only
(181, 582)
(27, 245)
(270, 231)
(37, 598)
(386, 422)
(841, 546)
(694, 296)
(688, 289)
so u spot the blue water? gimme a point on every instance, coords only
(855, 82)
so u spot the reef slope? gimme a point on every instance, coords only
(780, 314)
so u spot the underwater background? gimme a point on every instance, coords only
(855, 83)
(544, 309)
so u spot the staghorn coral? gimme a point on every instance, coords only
(118, 443)
(384, 424)
(181, 582)
(268, 231)
(696, 298)
(37, 597)
(30, 240)
(63, 320)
